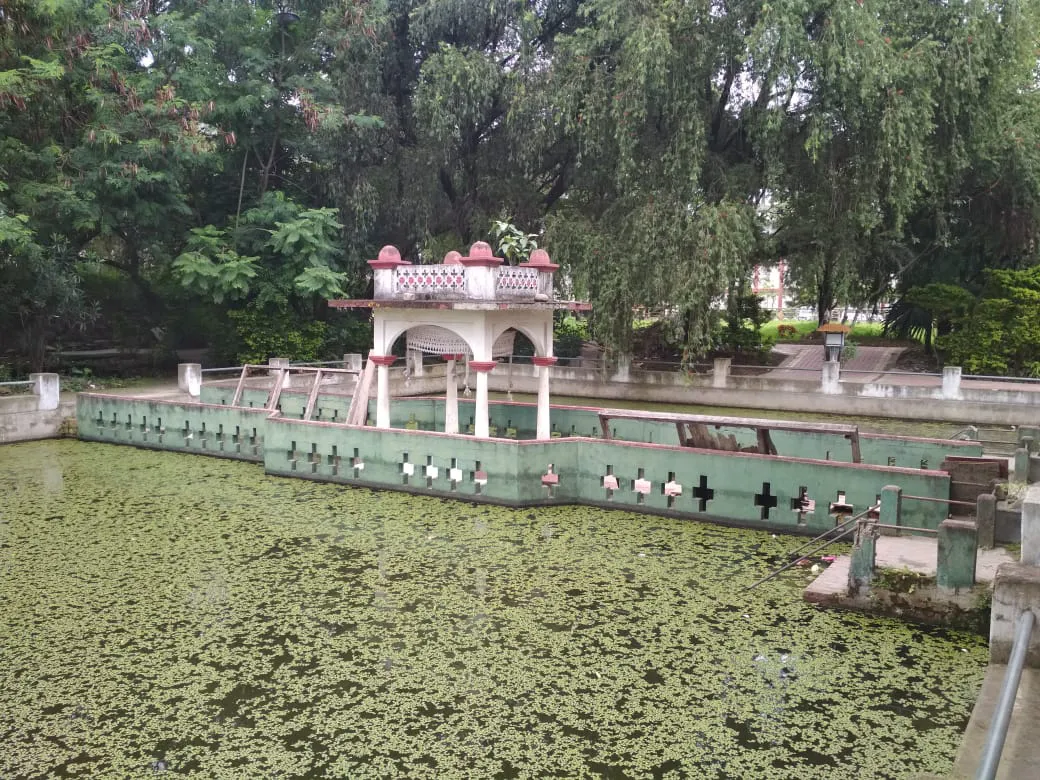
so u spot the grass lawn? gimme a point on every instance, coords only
(862, 330)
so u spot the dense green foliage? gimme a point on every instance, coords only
(998, 333)
(170, 167)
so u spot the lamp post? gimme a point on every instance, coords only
(833, 340)
(284, 15)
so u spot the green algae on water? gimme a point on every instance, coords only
(168, 613)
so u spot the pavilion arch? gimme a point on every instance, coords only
(541, 348)
(402, 330)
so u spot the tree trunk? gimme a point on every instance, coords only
(825, 292)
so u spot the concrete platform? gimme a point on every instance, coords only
(916, 553)
(1021, 757)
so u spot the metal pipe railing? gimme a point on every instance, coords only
(18, 383)
(846, 530)
(998, 729)
(1000, 378)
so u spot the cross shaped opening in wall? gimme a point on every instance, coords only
(841, 506)
(803, 505)
(671, 489)
(766, 500)
(454, 474)
(356, 463)
(641, 486)
(407, 469)
(610, 483)
(551, 480)
(703, 493)
(479, 477)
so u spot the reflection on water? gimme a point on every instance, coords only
(174, 613)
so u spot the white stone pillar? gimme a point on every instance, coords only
(951, 382)
(622, 372)
(481, 272)
(415, 361)
(278, 364)
(189, 378)
(383, 363)
(383, 271)
(352, 361)
(1031, 527)
(481, 425)
(451, 401)
(47, 389)
(720, 374)
(543, 427)
(830, 379)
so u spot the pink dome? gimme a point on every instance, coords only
(389, 254)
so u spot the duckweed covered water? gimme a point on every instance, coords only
(175, 614)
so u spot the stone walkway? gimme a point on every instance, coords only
(916, 553)
(875, 364)
(1020, 758)
(805, 361)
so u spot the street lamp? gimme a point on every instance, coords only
(833, 339)
(285, 15)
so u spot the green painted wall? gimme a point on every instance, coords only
(183, 427)
(745, 488)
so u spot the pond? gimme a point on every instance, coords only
(181, 615)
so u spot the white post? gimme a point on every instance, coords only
(720, 375)
(415, 358)
(451, 402)
(189, 378)
(1031, 527)
(277, 364)
(951, 382)
(481, 424)
(383, 363)
(830, 379)
(47, 389)
(543, 427)
(352, 361)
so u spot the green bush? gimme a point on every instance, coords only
(1000, 333)
(265, 333)
(569, 334)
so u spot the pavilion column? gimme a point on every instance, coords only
(543, 427)
(383, 363)
(451, 402)
(481, 425)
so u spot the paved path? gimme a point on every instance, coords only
(916, 553)
(875, 364)
(805, 361)
(1020, 759)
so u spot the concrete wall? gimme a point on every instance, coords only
(743, 488)
(20, 420)
(172, 425)
(1016, 589)
(998, 407)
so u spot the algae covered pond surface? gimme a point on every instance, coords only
(173, 615)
